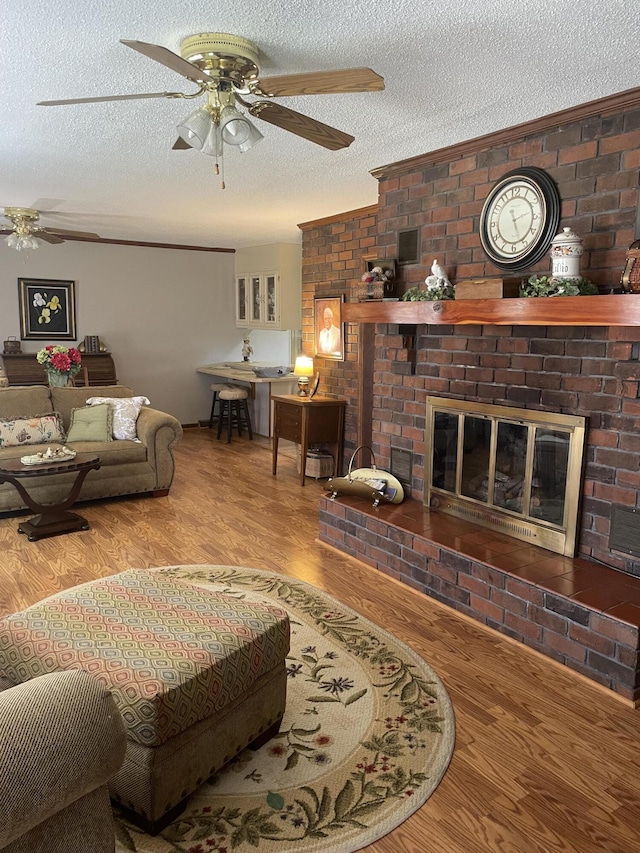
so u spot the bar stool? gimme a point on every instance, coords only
(235, 409)
(217, 387)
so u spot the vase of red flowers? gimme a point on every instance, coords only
(60, 363)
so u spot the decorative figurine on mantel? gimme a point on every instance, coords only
(438, 277)
(247, 349)
(437, 287)
(437, 284)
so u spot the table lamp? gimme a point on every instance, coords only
(303, 369)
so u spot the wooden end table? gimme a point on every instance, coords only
(307, 421)
(52, 518)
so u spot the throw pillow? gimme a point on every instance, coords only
(125, 414)
(40, 429)
(91, 423)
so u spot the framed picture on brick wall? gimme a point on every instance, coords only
(329, 327)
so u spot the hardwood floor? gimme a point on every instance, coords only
(544, 761)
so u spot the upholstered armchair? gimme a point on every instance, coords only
(61, 739)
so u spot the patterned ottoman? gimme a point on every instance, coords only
(197, 677)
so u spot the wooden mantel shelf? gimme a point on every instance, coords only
(609, 310)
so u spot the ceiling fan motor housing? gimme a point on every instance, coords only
(223, 56)
(21, 215)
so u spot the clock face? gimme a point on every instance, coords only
(520, 218)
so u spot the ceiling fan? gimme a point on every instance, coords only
(24, 233)
(225, 69)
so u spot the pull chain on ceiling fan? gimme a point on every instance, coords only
(26, 234)
(225, 68)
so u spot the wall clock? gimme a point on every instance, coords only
(520, 218)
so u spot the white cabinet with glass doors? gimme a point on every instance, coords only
(270, 299)
(257, 302)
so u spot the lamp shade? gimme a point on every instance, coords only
(213, 143)
(235, 128)
(254, 137)
(22, 241)
(303, 366)
(195, 128)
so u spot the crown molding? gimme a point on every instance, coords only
(108, 241)
(339, 217)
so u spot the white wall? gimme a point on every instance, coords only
(272, 346)
(161, 313)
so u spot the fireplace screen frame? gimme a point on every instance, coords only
(522, 523)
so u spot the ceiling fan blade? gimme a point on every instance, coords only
(48, 238)
(106, 98)
(321, 83)
(46, 205)
(301, 125)
(181, 145)
(166, 57)
(66, 232)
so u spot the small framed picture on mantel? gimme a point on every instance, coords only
(47, 309)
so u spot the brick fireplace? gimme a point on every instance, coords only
(593, 153)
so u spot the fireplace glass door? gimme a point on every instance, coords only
(513, 470)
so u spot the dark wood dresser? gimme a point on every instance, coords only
(23, 369)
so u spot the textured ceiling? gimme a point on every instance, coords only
(453, 70)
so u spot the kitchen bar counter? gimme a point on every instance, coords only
(242, 372)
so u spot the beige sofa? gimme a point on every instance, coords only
(127, 467)
(61, 740)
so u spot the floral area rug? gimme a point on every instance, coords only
(367, 735)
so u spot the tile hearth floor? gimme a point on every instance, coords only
(595, 586)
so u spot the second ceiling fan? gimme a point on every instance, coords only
(225, 69)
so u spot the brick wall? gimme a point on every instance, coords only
(592, 371)
(594, 161)
(332, 264)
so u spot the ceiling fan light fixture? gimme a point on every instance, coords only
(21, 242)
(254, 137)
(234, 127)
(224, 65)
(195, 128)
(213, 143)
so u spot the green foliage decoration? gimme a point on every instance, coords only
(432, 294)
(543, 285)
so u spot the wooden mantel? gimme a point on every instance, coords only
(609, 310)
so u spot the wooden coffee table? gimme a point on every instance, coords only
(51, 518)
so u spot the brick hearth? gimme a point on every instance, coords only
(579, 613)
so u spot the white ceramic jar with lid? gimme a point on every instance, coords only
(566, 251)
